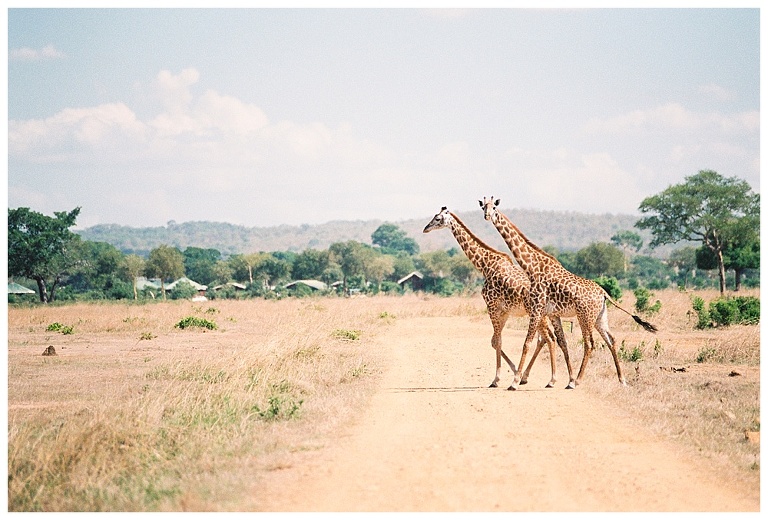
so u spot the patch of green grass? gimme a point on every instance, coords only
(347, 335)
(58, 327)
(194, 321)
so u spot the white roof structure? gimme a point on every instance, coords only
(194, 284)
(314, 284)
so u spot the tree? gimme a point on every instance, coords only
(683, 260)
(133, 266)
(310, 264)
(165, 262)
(349, 256)
(706, 208)
(627, 240)
(199, 264)
(378, 267)
(38, 247)
(270, 269)
(392, 239)
(599, 259)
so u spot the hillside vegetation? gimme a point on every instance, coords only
(566, 231)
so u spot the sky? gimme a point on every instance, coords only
(262, 117)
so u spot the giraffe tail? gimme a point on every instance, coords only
(647, 326)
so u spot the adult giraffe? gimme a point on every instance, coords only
(506, 292)
(555, 291)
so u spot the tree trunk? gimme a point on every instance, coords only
(738, 280)
(41, 289)
(721, 271)
(135, 291)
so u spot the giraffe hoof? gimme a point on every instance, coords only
(493, 385)
(512, 388)
(549, 385)
(570, 386)
(524, 382)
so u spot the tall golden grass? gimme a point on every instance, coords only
(135, 414)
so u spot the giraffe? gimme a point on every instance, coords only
(505, 291)
(555, 291)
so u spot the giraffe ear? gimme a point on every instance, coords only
(480, 202)
(444, 208)
(497, 202)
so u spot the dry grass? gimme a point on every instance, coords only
(699, 387)
(134, 414)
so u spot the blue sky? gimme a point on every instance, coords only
(263, 117)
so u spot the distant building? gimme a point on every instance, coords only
(14, 288)
(414, 281)
(314, 284)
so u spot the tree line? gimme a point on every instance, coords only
(721, 214)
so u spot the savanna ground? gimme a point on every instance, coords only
(371, 404)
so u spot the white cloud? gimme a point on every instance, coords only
(73, 128)
(596, 184)
(48, 52)
(674, 117)
(717, 92)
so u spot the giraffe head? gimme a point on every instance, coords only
(489, 206)
(439, 221)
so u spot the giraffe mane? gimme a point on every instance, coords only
(527, 240)
(472, 235)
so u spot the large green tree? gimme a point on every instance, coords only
(199, 264)
(166, 263)
(599, 259)
(350, 257)
(706, 208)
(39, 247)
(391, 239)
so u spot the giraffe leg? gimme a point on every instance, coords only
(496, 344)
(533, 326)
(589, 346)
(557, 325)
(552, 361)
(498, 322)
(539, 346)
(605, 333)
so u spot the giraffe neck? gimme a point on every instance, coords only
(530, 257)
(473, 247)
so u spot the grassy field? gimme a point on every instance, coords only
(136, 413)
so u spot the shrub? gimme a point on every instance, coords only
(643, 296)
(58, 327)
(633, 356)
(194, 321)
(724, 311)
(611, 286)
(699, 306)
(749, 309)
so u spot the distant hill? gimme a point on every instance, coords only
(566, 231)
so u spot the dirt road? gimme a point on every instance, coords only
(434, 438)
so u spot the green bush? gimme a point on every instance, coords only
(194, 321)
(643, 296)
(611, 286)
(749, 309)
(700, 307)
(58, 327)
(724, 311)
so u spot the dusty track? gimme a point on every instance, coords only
(434, 438)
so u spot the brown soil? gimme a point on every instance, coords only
(435, 438)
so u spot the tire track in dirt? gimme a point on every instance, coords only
(434, 438)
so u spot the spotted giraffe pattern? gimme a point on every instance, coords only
(506, 291)
(556, 292)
